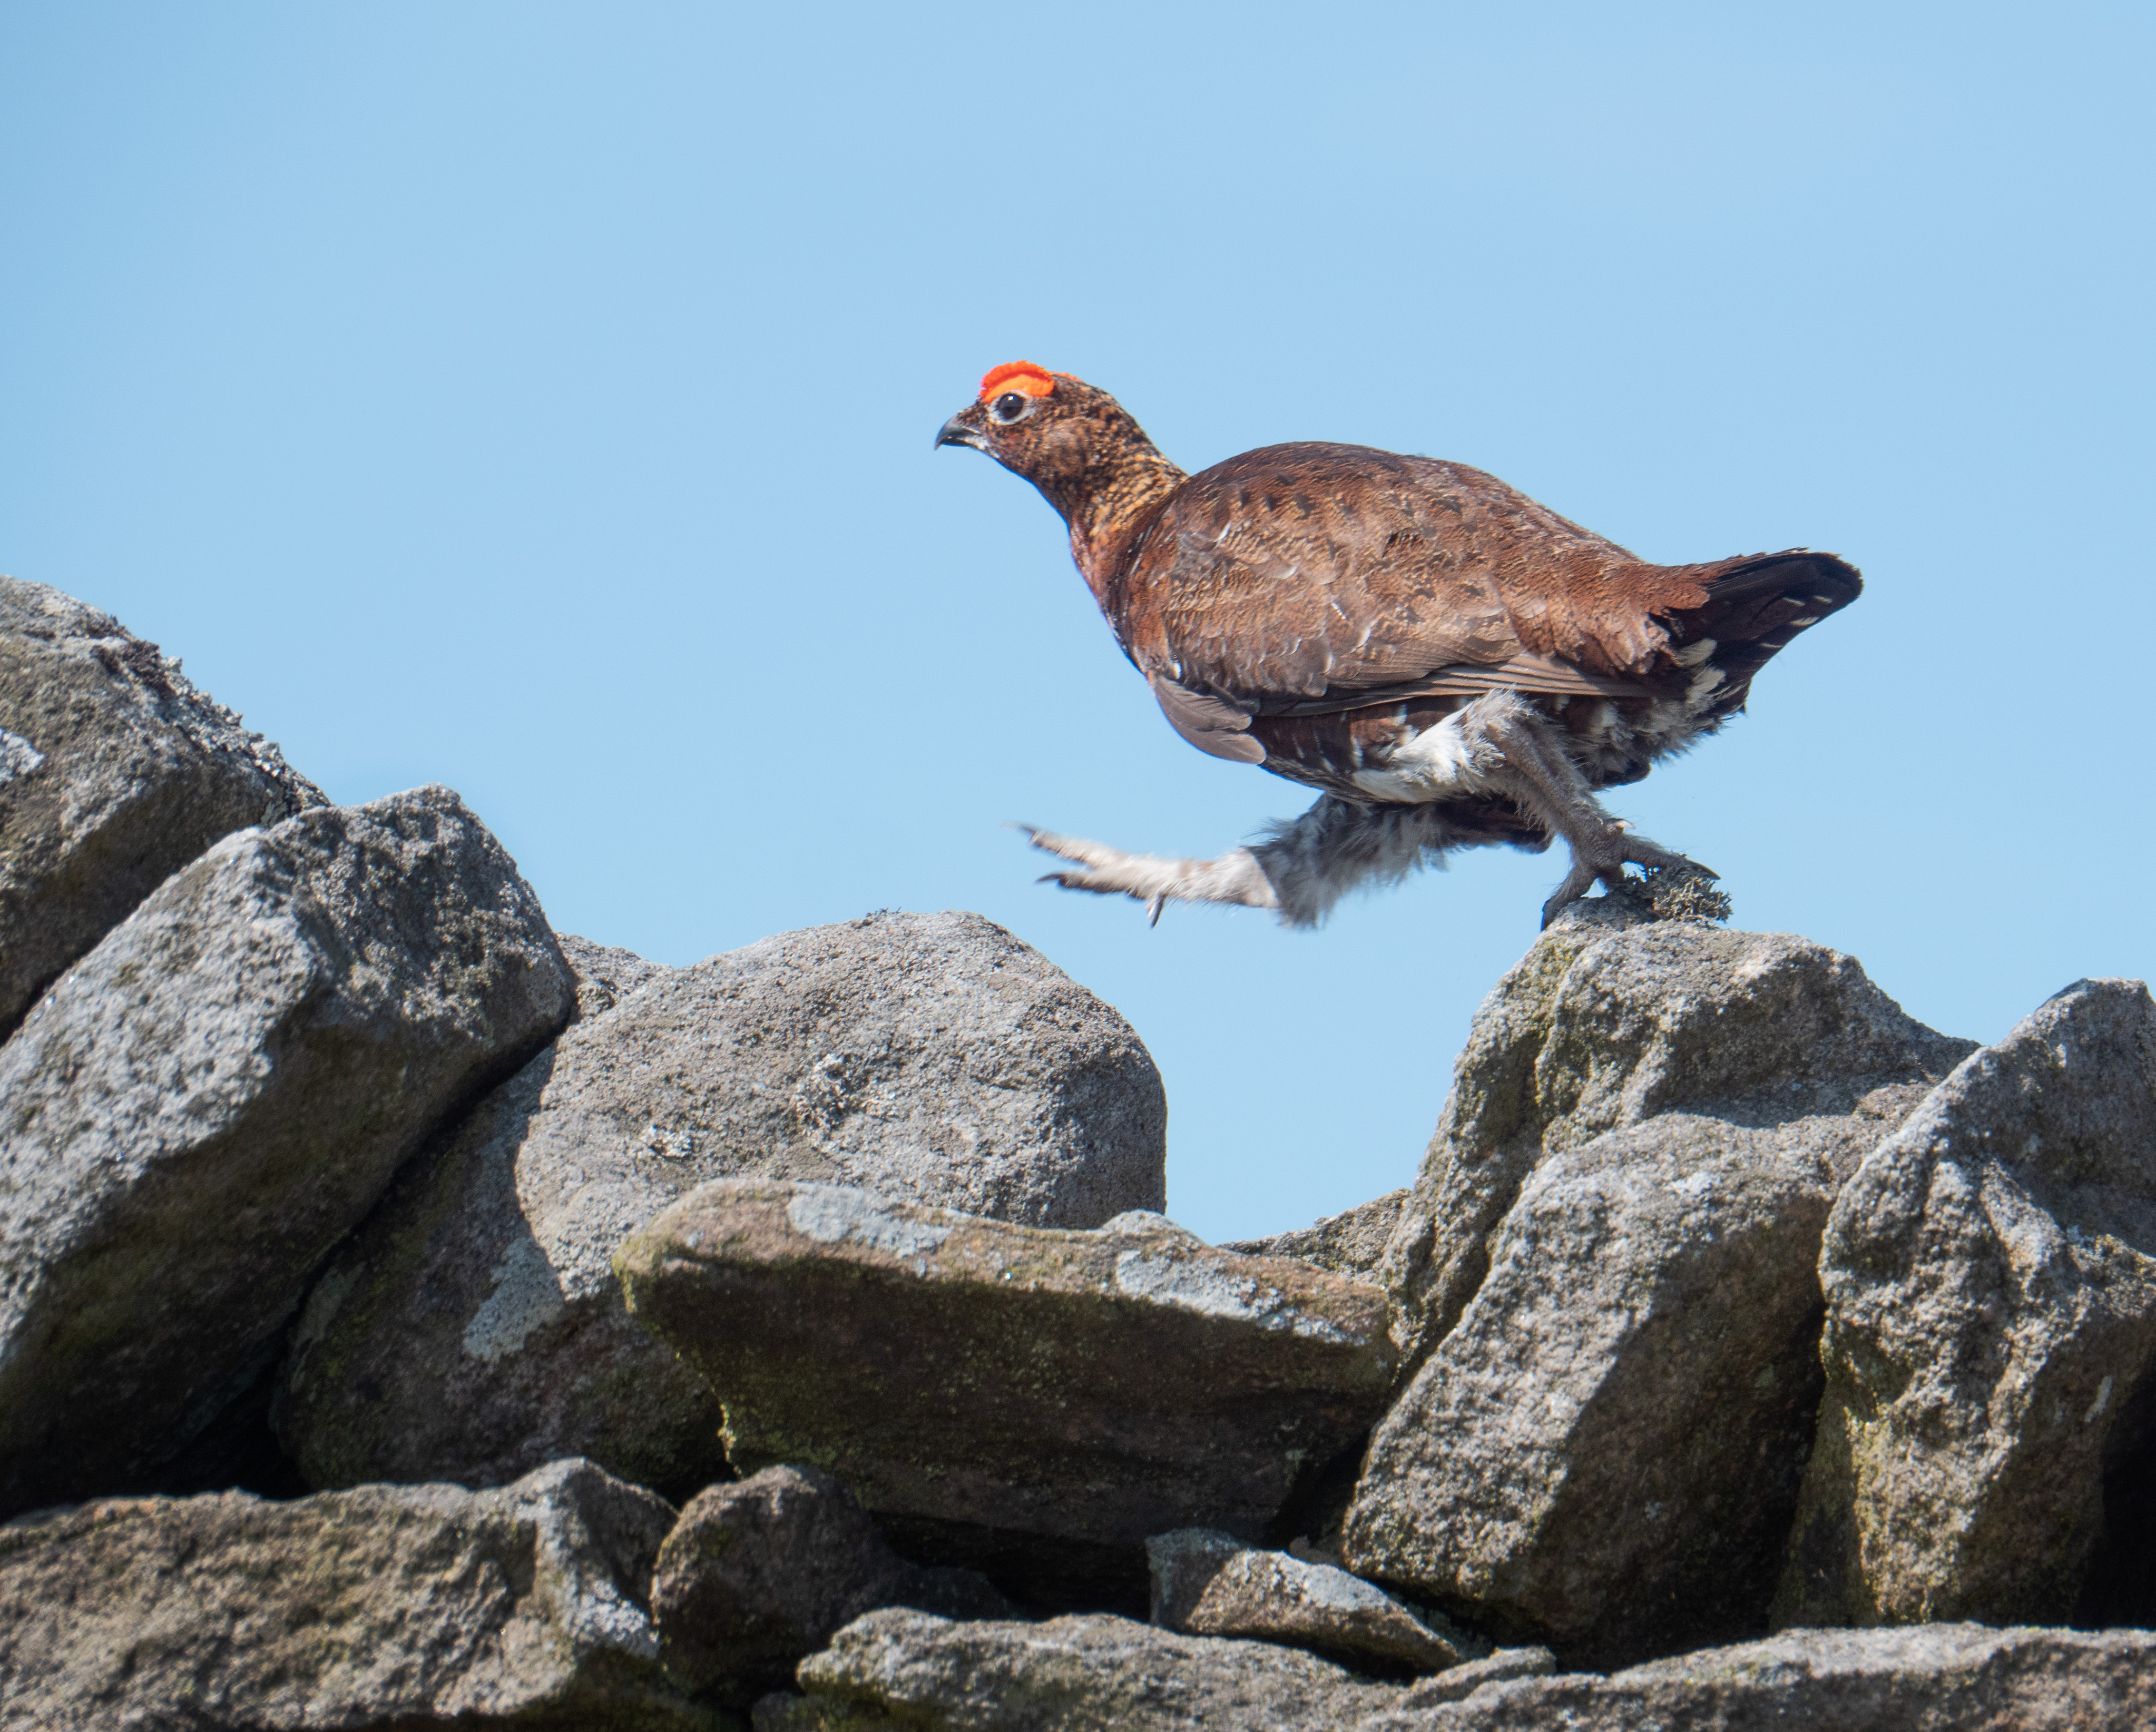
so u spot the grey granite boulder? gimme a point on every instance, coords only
(1352, 1242)
(1207, 1583)
(1086, 1673)
(757, 1575)
(902, 1669)
(978, 1384)
(388, 1606)
(475, 1326)
(1609, 1020)
(1991, 1288)
(1933, 1677)
(1610, 1260)
(220, 1093)
(115, 773)
(1458, 1682)
(606, 973)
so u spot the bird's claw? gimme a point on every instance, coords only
(1091, 856)
(1605, 857)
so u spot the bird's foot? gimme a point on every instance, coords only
(1601, 854)
(1152, 878)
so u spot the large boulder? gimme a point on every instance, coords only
(476, 1327)
(115, 773)
(1613, 1017)
(1610, 1260)
(1011, 1396)
(219, 1093)
(898, 1669)
(759, 1574)
(388, 1606)
(1990, 1344)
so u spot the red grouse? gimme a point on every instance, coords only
(1448, 662)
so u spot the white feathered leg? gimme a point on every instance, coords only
(1154, 879)
(1303, 867)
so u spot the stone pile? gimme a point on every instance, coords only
(409, 1315)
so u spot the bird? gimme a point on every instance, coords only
(1450, 663)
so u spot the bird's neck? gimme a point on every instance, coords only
(1104, 505)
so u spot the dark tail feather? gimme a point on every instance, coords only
(1755, 606)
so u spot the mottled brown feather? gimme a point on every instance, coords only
(1300, 605)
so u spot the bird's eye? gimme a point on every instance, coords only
(1009, 405)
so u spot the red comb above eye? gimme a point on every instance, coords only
(1021, 376)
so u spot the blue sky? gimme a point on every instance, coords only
(538, 399)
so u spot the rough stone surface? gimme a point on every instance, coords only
(115, 773)
(1458, 1683)
(218, 1093)
(1207, 1583)
(1936, 1677)
(1607, 1021)
(1351, 1243)
(1991, 1283)
(1604, 1448)
(385, 1607)
(1069, 1675)
(476, 1327)
(901, 1669)
(983, 1379)
(757, 1575)
(606, 973)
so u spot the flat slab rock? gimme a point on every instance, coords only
(1207, 1583)
(898, 1669)
(1094, 1386)
(220, 1092)
(386, 1605)
(115, 773)
(475, 1327)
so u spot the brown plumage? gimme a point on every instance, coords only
(1449, 662)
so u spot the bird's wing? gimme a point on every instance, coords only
(1210, 724)
(1303, 577)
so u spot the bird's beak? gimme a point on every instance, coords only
(963, 428)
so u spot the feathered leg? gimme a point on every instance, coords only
(1539, 776)
(1304, 866)
(1514, 761)
(1154, 879)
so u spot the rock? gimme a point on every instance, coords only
(1207, 1583)
(757, 1575)
(996, 1393)
(1604, 1451)
(218, 1093)
(605, 974)
(1990, 1277)
(1087, 1673)
(386, 1605)
(1606, 1022)
(1936, 1677)
(895, 1668)
(1353, 1243)
(115, 773)
(476, 1327)
(1460, 1682)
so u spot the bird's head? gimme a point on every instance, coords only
(1073, 441)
